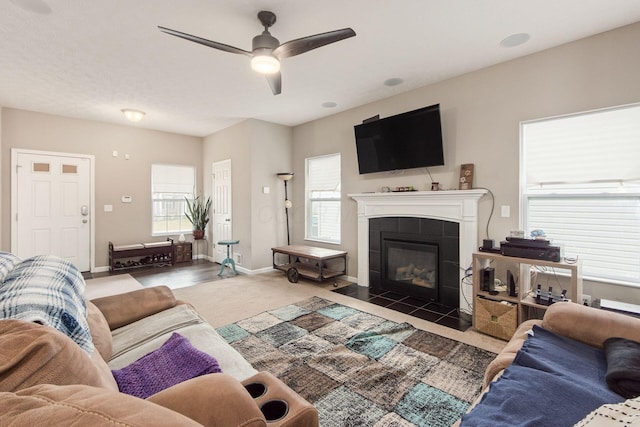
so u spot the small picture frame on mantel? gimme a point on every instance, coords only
(466, 177)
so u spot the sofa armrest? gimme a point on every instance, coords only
(212, 400)
(80, 405)
(508, 353)
(589, 325)
(122, 309)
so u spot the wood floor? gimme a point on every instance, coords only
(179, 275)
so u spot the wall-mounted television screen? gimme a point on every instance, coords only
(404, 141)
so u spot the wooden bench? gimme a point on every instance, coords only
(141, 255)
(310, 262)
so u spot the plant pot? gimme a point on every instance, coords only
(198, 234)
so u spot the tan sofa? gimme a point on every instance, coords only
(584, 324)
(46, 378)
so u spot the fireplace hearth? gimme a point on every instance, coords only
(416, 257)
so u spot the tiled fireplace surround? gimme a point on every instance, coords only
(459, 207)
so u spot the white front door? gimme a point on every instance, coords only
(221, 207)
(51, 206)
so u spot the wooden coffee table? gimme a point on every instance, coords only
(311, 262)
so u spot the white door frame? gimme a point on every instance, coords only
(14, 196)
(219, 253)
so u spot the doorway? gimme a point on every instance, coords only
(52, 206)
(222, 219)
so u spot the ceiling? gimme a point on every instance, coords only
(90, 59)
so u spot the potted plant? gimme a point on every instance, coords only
(197, 213)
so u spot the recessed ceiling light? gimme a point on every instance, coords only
(35, 6)
(515, 40)
(394, 81)
(133, 115)
(329, 104)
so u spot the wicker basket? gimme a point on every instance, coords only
(495, 318)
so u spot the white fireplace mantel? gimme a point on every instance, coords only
(459, 206)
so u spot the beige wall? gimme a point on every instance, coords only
(114, 176)
(270, 154)
(258, 151)
(481, 112)
(232, 143)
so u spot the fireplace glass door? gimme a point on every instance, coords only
(411, 268)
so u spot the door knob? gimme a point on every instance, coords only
(228, 219)
(84, 221)
(84, 210)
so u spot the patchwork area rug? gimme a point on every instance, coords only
(359, 369)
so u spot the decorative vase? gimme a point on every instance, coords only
(198, 234)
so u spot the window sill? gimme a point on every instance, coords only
(330, 242)
(173, 233)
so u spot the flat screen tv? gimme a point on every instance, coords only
(404, 141)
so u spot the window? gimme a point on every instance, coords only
(323, 198)
(580, 181)
(170, 184)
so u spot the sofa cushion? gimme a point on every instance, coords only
(174, 362)
(133, 341)
(123, 309)
(100, 332)
(33, 354)
(80, 405)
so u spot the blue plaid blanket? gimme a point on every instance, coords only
(48, 290)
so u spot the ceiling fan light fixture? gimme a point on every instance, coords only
(133, 115)
(265, 64)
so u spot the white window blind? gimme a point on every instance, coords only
(323, 198)
(170, 184)
(581, 185)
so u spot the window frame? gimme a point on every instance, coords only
(612, 188)
(188, 228)
(309, 201)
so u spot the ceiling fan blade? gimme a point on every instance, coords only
(305, 44)
(209, 43)
(275, 82)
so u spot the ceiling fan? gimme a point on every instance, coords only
(267, 52)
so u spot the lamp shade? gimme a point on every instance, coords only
(285, 176)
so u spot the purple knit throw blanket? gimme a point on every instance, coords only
(174, 362)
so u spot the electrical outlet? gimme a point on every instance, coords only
(586, 300)
(238, 258)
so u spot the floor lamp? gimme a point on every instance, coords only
(286, 176)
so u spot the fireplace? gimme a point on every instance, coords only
(416, 257)
(410, 267)
(454, 209)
